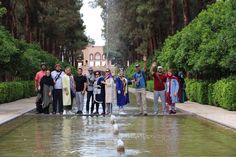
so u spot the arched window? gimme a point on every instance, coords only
(98, 56)
(91, 56)
(103, 57)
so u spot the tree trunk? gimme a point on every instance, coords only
(173, 16)
(27, 22)
(186, 12)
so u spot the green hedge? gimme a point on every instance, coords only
(221, 93)
(197, 91)
(11, 91)
(150, 85)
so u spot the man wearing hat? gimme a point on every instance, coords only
(159, 87)
(90, 83)
(139, 79)
(57, 75)
(37, 80)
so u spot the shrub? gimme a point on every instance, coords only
(197, 91)
(224, 92)
(221, 93)
(150, 85)
(11, 91)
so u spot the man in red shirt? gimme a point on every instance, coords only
(159, 87)
(37, 80)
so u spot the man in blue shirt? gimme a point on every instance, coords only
(139, 80)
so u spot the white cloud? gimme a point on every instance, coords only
(93, 21)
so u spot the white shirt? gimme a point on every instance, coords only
(58, 83)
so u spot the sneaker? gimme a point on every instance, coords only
(122, 113)
(95, 113)
(145, 114)
(79, 112)
(70, 113)
(64, 112)
(155, 113)
(139, 114)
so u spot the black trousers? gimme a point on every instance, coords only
(57, 99)
(39, 102)
(89, 95)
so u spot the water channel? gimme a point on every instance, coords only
(182, 135)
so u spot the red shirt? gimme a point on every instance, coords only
(158, 85)
(39, 76)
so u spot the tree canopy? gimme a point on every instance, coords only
(55, 24)
(206, 48)
(136, 28)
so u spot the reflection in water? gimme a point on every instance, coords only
(159, 136)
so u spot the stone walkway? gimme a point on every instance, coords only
(212, 113)
(12, 110)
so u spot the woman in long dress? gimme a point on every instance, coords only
(122, 91)
(68, 91)
(46, 87)
(172, 88)
(109, 85)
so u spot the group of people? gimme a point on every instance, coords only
(62, 89)
(167, 87)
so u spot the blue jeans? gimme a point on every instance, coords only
(57, 97)
(160, 94)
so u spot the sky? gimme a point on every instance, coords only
(93, 22)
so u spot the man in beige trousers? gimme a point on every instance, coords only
(139, 79)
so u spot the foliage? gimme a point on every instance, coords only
(221, 93)
(54, 24)
(135, 28)
(11, 91)
(22, 60)
(206, 48)
(224, 93)
(2, 10)
(197, 91)
(150, 85)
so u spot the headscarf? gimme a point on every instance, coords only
(47, 80)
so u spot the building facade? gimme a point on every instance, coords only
(93, 56)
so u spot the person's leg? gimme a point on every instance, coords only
(77, 101)
(156, 101)
(97, 107)
(55, 98)
(81, 99)
(162, 96)
(108, 106)
(144, 104)
(138, 100)
(60, 101)
(92, 107)
(89, 95)
(103, 108)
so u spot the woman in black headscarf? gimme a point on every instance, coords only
(46, 87)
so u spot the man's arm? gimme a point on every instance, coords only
(85, 85)
(144, 63)
(152, 69)
(36, 83)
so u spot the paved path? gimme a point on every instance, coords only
(9, 111)
(212, 113)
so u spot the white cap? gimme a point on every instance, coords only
(159, 67)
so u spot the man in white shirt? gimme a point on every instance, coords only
(57, 75)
